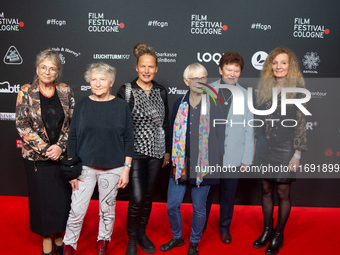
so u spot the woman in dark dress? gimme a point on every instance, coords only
(278, 145)
(149, 107)
(43, 113)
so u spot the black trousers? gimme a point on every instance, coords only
(143, 176)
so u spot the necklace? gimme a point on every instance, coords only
(226, 101)
(42, 92)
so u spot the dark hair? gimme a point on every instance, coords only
(141, 49)
(231, 58)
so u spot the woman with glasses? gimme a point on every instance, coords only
(149, 107)
(43, 112)
(196, 143)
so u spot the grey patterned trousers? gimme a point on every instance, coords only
(107, 188)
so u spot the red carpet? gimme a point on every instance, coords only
(308, 231)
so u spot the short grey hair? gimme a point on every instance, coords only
(100, 68)
(53, 56)
(194, 68)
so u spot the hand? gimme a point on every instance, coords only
(166, 160)
(54, 152)
(244, 167)
(124, 178)
(294, 164)
(74, 183)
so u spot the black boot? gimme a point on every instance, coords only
(144, 242)
(132, 246)
(275, 242)
(261, 242)
(193, 249)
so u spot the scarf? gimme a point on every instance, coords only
(179, 139)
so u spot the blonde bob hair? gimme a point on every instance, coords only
(267, 82)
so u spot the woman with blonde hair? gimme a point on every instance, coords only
(276, 144)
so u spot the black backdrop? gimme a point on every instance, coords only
(182, 32)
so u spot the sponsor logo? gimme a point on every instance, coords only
(97, 23)
(201, 25)
(19, 144)
(9, 24)
(260, 26)
(85, 87)
(156, 23)
(7, 116)
(311, 125)
(56, 22)
(311, 60)
(63, 50)
(258, 59)
(318, 94)
(176, 91)
(111, 56)
(207, 57)
(304, 29)
(166, 57)
(5, 87)
(12, 57)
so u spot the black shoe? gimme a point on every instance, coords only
(275, 242)
(262, 241)
(145, 243)
(193, 249)
(131, 249)
(58, 250)
(172, 244)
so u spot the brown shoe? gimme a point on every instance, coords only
(226, 238)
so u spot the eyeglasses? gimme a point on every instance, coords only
(196, 79)
(52, 70)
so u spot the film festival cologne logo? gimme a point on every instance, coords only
(201, 25)
(10, 24)
(98, 23)
(303, 28)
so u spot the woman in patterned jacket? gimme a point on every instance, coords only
(43, 112)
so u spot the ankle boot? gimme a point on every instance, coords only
(68, 250)
(102, 247)
(275, 242)
(144, 242)
(261, 242)
(132, 248)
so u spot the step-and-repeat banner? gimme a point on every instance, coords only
(181, 32)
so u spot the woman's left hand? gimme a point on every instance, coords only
(54, 152)
(294, 164)
(166, 160)
(124, 178)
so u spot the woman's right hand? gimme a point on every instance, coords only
(74, 183)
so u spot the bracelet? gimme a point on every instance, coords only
(128, 165)
(297, 156)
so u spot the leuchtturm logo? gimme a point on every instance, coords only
(12, 57)
(258, 59)
(311, 61)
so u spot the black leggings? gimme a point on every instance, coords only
(283, 193)
(143, 176)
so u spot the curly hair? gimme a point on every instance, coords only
(268, 81)
(100, 67)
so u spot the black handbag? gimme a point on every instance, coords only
(71, 168)
(185, 176)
